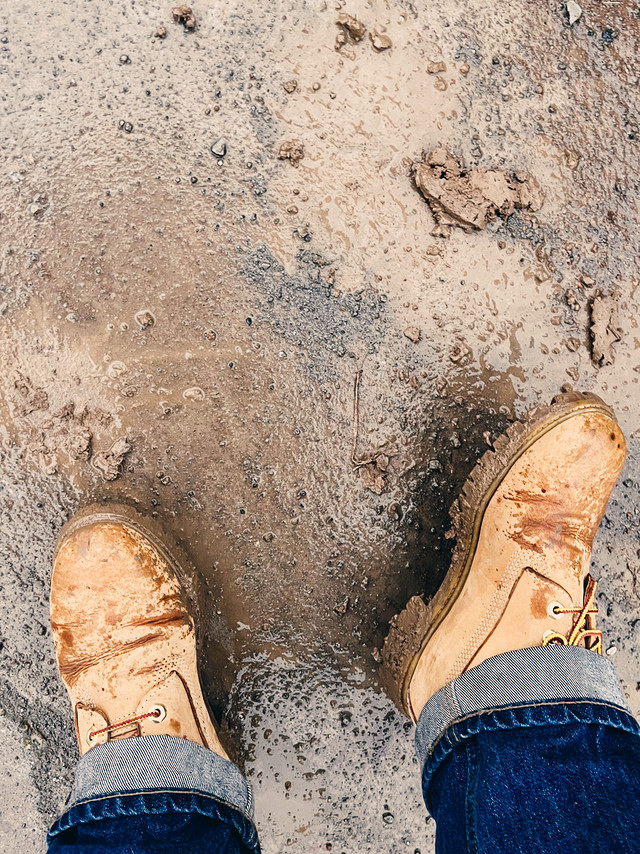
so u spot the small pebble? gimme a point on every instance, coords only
(184, 15)
(342, 606)
(145, 319)
(194, 393)
(574, 12)
(380, 41)
(125, 59)
(219, 148)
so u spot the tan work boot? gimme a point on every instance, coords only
(525, 522)
(124, 637)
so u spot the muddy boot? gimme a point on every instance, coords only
(125, 639)
(524, 522)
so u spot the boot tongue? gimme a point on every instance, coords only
(129, 731)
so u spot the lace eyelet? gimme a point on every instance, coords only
(554, 610)
(556, 638)
(159, 713)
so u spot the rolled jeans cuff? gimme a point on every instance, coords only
(525, 677)
(158, 764)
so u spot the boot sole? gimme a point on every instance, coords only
(412, 629)
(175, 557)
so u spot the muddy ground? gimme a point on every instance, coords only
(206, 235)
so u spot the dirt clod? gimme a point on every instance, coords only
(413, 333)
(351, 30)
(290, 86)
(471, 198)
(38, 206)
(342, 607)
(184, 15)
(292, 150)
(145, 319)
(193, 393)
(380, 41)
(572, 299)
(26, 398)
(374, 474)
(605, 328)
(161, 32)
(434, 67)
(71, 437)
(108, 462)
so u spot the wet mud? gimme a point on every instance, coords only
(207, 235)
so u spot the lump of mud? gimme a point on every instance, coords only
(413, 333)
(65, 432)
(374, 474)
(184, 15)
(471, 198)
(380, 41)
(25, 398)
(350, 30)
(293, 150)
(108, 462)
(605, 329)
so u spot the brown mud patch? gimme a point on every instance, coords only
(472, 198)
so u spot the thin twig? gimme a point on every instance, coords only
(355, 462)
(634, 578)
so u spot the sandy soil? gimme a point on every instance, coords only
(205, 238)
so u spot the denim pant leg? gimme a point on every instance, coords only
(156, 794)
(532, 752)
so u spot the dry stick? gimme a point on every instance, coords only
(634, 576)
(355, 462)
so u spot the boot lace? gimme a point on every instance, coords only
(584, 628)
(157, 712)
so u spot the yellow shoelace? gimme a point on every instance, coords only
(584, 627)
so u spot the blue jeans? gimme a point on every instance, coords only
(532, 752)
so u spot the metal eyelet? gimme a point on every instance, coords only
(550, 637)
(554, 610)
(159, 713)
(89, 738)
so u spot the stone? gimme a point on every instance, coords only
(380, 41)
(574, 12)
